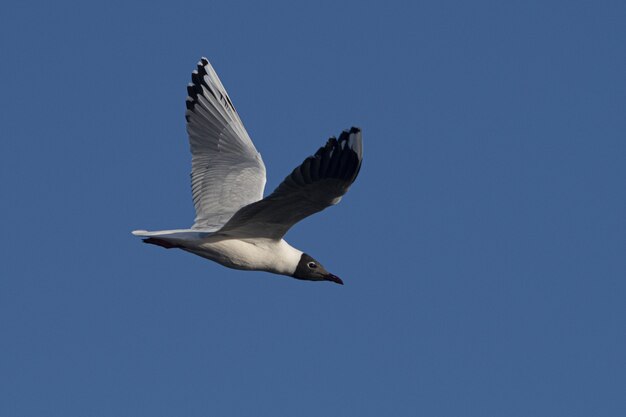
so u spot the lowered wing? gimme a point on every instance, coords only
(319, 182)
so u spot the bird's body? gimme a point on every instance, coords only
(253, 254)
(275, 256)
(235, 226)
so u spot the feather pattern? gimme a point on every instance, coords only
(227, 171)
(319, 182)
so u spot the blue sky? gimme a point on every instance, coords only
(482, 245)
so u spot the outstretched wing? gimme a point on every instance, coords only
(320, 181)
(227, 172)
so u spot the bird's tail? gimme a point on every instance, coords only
(161, 242)
(169, 239)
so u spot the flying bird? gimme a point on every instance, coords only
(234, 225)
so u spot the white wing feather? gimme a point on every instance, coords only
(227, 171)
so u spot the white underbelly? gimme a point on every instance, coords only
(258, 254)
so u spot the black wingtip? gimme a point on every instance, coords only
(350, 133)
(340, 158)
(195, 87)
(352, 139)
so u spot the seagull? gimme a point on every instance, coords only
(234, 225)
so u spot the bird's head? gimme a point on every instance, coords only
(311, 270)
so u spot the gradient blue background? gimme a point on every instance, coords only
(483, 244)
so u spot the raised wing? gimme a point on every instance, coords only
(320, 181)
(227, 172)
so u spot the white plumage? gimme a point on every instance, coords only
(234, 225)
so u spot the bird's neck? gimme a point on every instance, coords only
(286, 258)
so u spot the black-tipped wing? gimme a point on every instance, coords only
(320, 181)
(227, 172)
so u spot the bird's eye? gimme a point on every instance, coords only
(312, 265)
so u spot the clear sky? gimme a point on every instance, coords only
(482, 246)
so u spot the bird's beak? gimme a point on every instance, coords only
(333, 278)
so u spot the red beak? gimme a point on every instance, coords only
(333, 278)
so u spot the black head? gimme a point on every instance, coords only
(311, 270)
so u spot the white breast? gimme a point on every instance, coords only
(251, 254)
